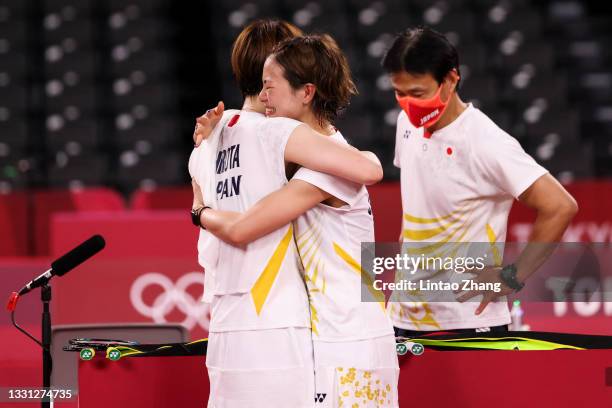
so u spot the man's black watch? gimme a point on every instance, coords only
(508, 276)
(195, 216)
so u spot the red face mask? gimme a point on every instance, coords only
(423, 112)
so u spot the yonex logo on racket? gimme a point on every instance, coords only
(401, 349)
(87, 354)
(172, 296)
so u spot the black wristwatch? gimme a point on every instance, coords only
(195, 216)
(508, 276)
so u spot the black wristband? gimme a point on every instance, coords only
(195, 216)
(508, 276)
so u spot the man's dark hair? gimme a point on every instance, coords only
(421, 50)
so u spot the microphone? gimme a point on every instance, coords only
(67, 262)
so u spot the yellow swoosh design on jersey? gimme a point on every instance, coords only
(461, 215)
(308, 244)
(444, 224)
(313, 236)
(421, 220)
(423, 234)
(427, 320)
(428, 249)
(314, 319)
(497, 258)
(264, 283)
(357, 269)
(309, 231)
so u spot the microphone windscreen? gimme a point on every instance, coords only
(78, 255)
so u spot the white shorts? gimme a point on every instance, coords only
(364, 372)
(261, 368)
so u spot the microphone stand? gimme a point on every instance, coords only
(45, 343)
(45, 295)
(59, 267)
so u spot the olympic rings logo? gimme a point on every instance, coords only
(173, 295)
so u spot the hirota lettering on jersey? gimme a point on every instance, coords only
(228, 159)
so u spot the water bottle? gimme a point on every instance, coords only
(516, 314)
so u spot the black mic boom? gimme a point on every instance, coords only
(78, 255)
(67, 262)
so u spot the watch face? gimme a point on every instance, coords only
(508, 275)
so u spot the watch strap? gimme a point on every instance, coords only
(508, 276)
(195, 216)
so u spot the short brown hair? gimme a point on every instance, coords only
(318, 60)
(252, 47)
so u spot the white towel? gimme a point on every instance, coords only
(202, 169)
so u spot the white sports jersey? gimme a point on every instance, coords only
(201, 169)
(259, 286)
(458, 185)
(329, 241)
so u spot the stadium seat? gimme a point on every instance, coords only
(14, 224)
(357, 129)
(371, 23)
(481, 90)
(545, 86)
(150, 31)
(82, 97)
(162, 198)
(14, 65)
(75, 67)
(422, 5)
(502, 118)
(230, 94)
(566, 124)
(566, 161)
(516, 51)
(472, 59)
(78, 171)
(500, 21)
(60, 5)
(97, 199)
(160, 97)
(157, 133)
(13, 10)
(13, 97)
(337, 25)
(390, 5)
(602, 145)
(138, 8)
(111, 79)
(75, 137)
(13, 34)
(259, 8)
(46, 203)
(14, 134)
(459, 26)
(150, 64)
(594, 85)
(161, 169)
(16, 170)
(382, 96)
(79, 30)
